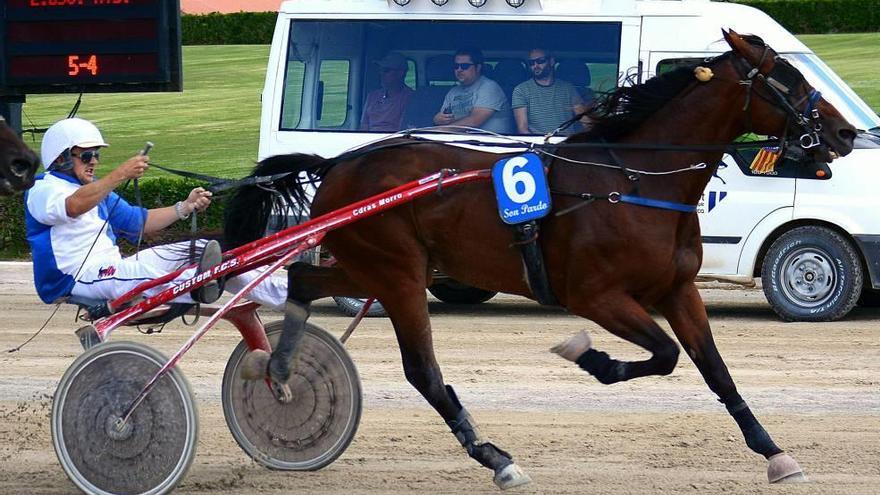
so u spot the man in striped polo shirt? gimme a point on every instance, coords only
(544, 102)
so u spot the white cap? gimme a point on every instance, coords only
(66, 134)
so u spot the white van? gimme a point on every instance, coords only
(810, 232)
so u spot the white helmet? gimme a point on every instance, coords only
(66, 134)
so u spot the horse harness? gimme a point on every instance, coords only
(526, 234)
(780, 80)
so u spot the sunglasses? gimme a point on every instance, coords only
(86, 156)
(464, 66)
(536, 61)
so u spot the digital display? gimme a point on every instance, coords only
(62, 46)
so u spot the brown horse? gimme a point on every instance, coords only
(607, 261)
(18, 163)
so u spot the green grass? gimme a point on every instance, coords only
(213, 125)
(854, 58)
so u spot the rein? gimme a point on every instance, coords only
(219, 185)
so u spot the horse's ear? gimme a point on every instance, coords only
(742, 47)
(735, 41)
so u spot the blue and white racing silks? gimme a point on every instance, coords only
(60, 244)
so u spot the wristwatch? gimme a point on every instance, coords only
(178, 208)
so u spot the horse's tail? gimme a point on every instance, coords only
(248, 210)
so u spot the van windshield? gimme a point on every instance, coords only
(835, 90)
(385, 76)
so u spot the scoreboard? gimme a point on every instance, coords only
(92, 46)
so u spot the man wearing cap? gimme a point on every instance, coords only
(384, 107)
(73, 218)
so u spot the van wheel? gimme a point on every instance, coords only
(351, 306)
(454, 292)
(812, 274)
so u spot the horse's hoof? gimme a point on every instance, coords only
(282, 392)
(254, 364)
(784, 469)
(572, 348)
(511, 476)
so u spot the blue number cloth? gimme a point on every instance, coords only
(521, 189)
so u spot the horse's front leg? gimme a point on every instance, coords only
(686, 313)
(621, 315)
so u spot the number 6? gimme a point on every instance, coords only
(511, 179)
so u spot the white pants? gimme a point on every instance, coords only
(111, 280)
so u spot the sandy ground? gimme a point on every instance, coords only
(816, 388)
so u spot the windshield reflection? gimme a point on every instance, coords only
(837, 92)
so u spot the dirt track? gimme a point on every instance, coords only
(816, 388)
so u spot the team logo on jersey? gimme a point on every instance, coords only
(106, 272)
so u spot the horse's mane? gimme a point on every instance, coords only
(622, 110)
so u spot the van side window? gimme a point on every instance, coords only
(332, 110)
(293, 94)
(671, 64)
(333, 67)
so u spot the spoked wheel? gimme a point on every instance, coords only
(313, 429)
(151, 452)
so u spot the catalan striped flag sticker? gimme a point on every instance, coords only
(765, 160)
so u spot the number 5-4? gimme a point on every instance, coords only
(75, 63)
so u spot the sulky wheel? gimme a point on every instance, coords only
(313, 429)
(152, 451)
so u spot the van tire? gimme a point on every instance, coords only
(351, 306)
(454, 292)
(812, 273)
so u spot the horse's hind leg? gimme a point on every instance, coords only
(686, 314)
(306, 283)
(626, 318)
(407, 307)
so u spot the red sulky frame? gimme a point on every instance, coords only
(275, 251)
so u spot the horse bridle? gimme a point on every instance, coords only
(779, 81)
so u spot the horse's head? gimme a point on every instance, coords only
(18, 163)
(780, 102)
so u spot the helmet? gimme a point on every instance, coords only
(66, 134)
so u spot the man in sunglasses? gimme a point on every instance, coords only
(477, 101)
(73, 218)
(384, 107)
(544, 102)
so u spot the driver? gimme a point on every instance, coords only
(73, 219)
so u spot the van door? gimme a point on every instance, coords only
(743, 191)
